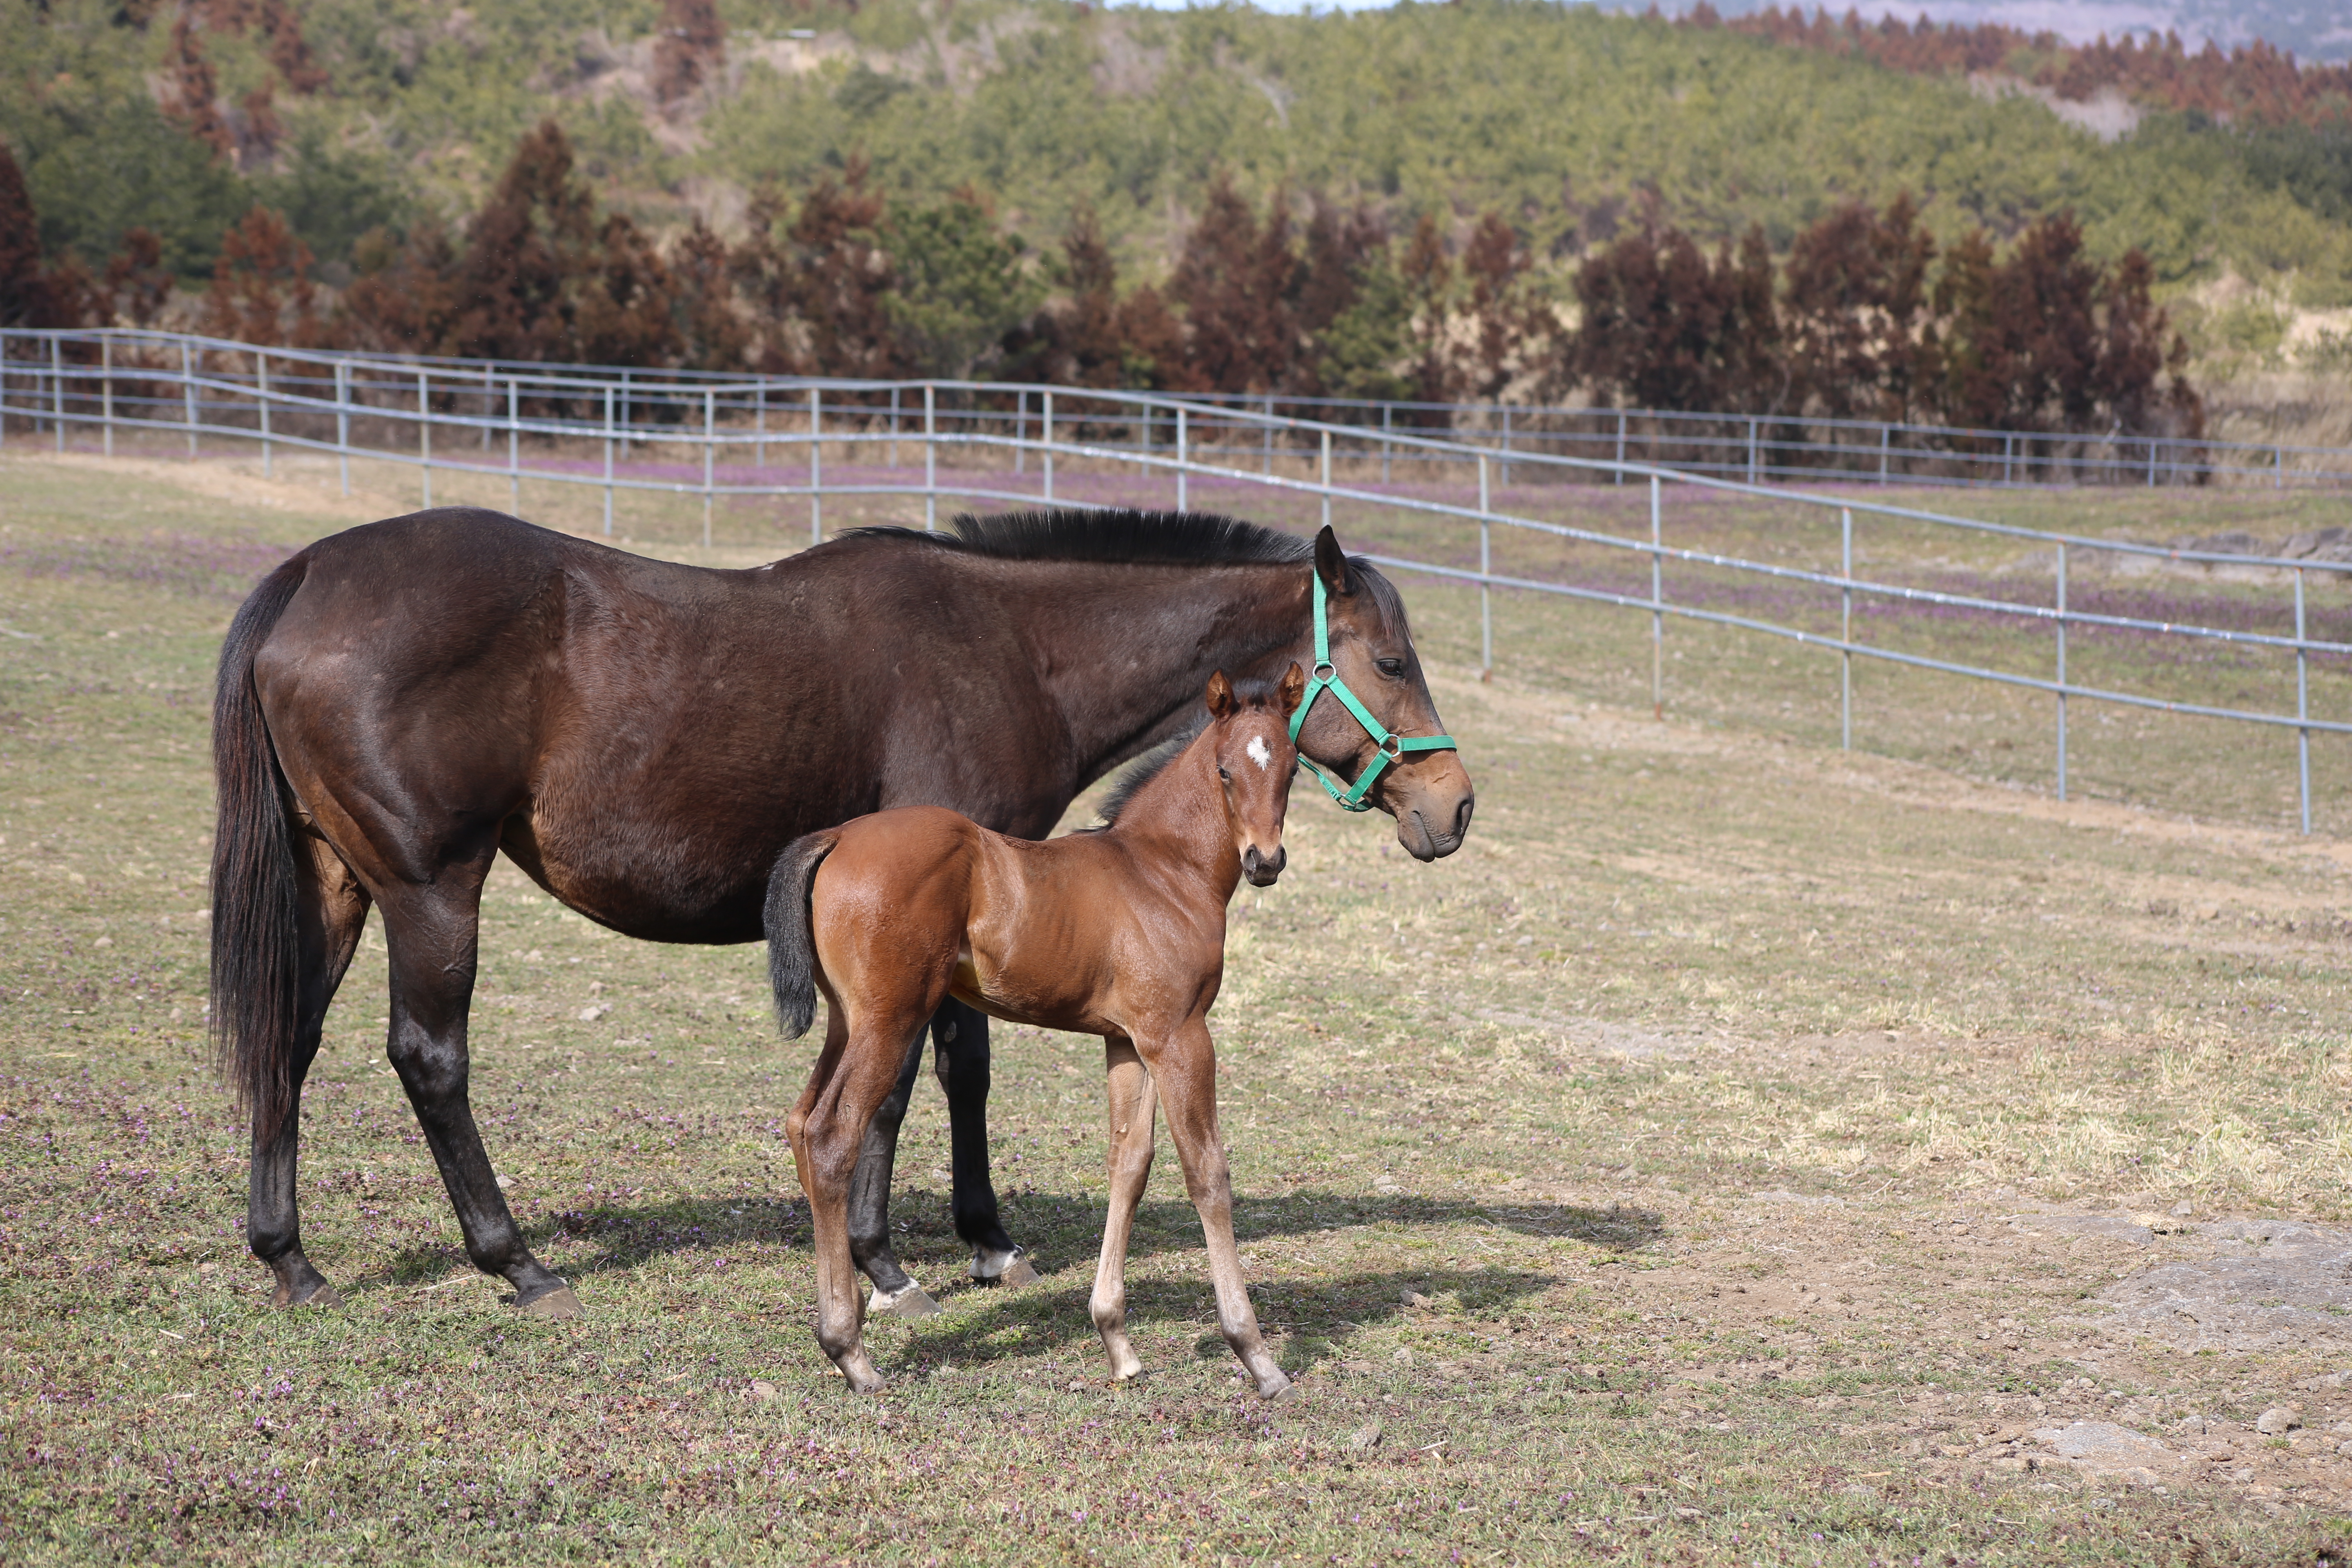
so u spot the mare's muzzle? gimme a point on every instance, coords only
(1263, 869)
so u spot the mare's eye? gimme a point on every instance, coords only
(1391, 668)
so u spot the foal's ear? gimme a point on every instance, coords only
(1221, 696)
(1331, 565)
(1293, 687)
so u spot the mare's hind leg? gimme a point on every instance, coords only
(330, 912)
(1133, 1104)
(1184, 1065)
(959, 1033)
(895, 1291)
(430, 929)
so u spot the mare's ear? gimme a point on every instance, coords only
(1293, 687)
(1331, 565)
(1221, 696)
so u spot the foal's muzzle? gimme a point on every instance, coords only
(1263, 869)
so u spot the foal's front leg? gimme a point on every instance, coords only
(1184, 1065)
(1133, 1104)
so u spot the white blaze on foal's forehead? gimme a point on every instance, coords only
(1258, 753)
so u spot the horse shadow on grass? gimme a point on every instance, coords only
(1063, 1230)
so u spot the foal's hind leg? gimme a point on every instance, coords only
(330, 912)
(850, 1078)
(431, 932)
(895, 1291)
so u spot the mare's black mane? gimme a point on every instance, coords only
(1159, 538)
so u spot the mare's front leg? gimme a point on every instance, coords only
(430, 930)
(960, 1035)
(1184, 1064)
(330, 910)
(1133, 1104)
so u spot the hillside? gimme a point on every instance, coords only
(1561, 117)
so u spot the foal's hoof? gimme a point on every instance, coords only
(1011, 1268)
(913, 1301)
(559, 1304)
(1277, 1390)
(319, 1295)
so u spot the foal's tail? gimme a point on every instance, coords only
(256, 951)
(791, 942)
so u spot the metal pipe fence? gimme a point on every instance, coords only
(390, 410)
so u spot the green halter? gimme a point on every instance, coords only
(1388, 747)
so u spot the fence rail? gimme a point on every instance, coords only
(389, 409)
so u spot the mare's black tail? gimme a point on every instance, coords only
(792, 943)
(256, 948)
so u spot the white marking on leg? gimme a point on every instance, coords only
(1258, 753)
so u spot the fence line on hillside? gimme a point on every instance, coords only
(389, 409)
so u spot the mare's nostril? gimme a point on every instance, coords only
(1461, 815)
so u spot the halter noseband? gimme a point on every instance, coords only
(1388, 746)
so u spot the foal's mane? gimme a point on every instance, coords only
(1156, 538)
(1144, 769)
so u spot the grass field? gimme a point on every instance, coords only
(1639, 1185)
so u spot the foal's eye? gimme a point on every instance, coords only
(1391, 668)
(1224, 775)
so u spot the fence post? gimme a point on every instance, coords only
(2278, 467)
(1620, 445)
(1845, 629)
(2302, 705)
(57, 387)
(709, 454)
(611, 396)
(759, 424)
(514, 444)
(1021, 431)
(1485, 591)
(261, 390)
(816, 465)
(425, 435)
(1752, 451)
(894, 427)
(489, 402)
(106, 389)
(1885, 437)
(1387, 425)
(930, 458)
(4, 386)
(1657, 603)
(1045, 433)
(625, 411)
(344, 420)
(2061, 669)
(1266, 442)
(2008, 456)
(1184, 496)
(188, 393)
(1326, 476)
(1506, 448)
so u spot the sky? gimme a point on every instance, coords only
(2312, 29)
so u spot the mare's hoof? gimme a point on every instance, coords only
(914, 1302)
(1012, 1269)
(319, 1295)
(559, 1304)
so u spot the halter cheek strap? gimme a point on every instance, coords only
(1388, 746)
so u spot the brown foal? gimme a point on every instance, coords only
(1118, 931)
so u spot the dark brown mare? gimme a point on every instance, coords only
(400, 702)
(1119, 932)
